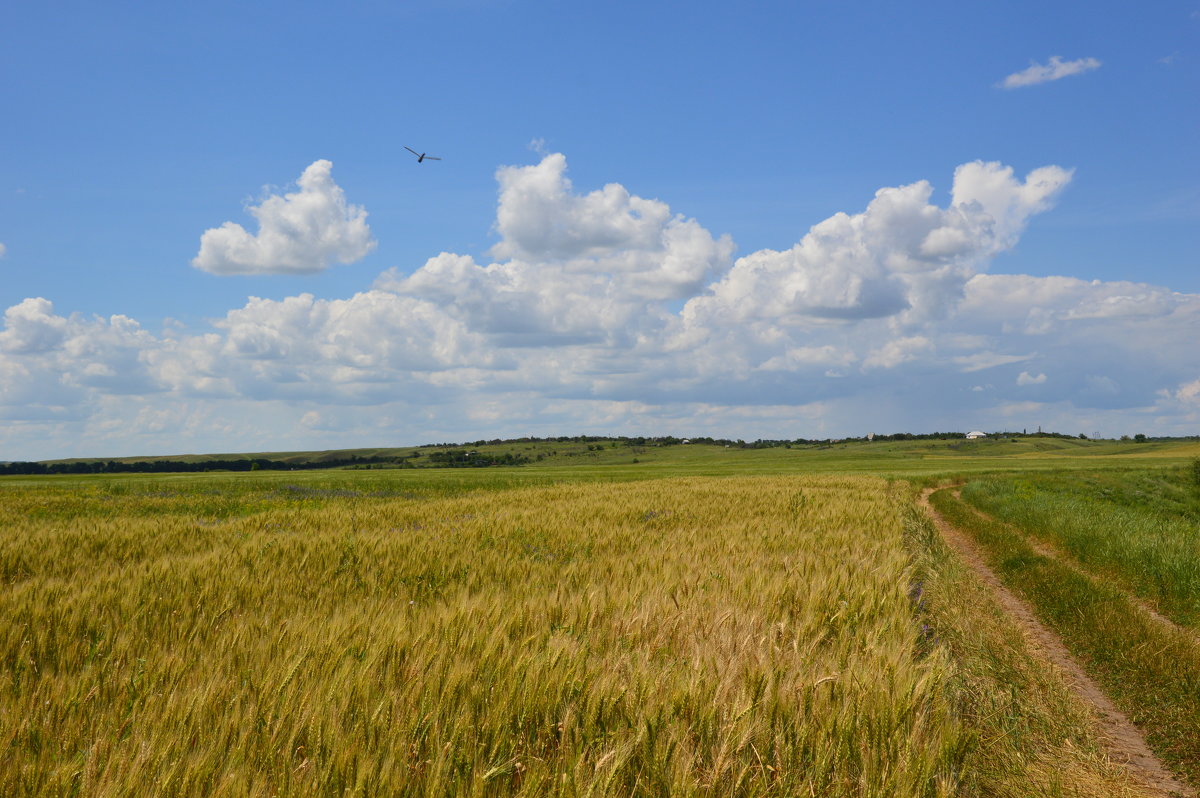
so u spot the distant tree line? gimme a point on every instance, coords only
(768, 443)
(457, 458)
(670, 440)
(180, 466)
(461, 458)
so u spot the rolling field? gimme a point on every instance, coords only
(606, 628)
(608, 460)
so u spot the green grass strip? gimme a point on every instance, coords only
(1150, 549)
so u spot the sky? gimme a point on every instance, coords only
(757, 220)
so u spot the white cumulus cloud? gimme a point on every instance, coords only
(1025, 378)
(601, 311)
(303, 232)
(54, 366)
(1189, 392)
(1054, 69)
(31, 326)
(576, 268)
(902, 255)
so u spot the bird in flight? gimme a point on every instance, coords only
(421, 156)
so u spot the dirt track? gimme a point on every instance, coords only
(1123, 741)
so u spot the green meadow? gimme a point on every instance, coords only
(604, 620)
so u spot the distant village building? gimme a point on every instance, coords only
(870, 436)
(975, 434)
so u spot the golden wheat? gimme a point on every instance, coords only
(699, 636)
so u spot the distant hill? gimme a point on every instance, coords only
(597, 450)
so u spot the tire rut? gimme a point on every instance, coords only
(1122, 741)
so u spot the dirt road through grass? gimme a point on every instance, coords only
(1123, 741)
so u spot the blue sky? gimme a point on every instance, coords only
(132, 130)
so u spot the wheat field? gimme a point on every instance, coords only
(367, 634)
(740, 636)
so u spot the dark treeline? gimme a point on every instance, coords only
(179, 466)
(669, 440)
(768, 443)
(465, 459)
(446, 459)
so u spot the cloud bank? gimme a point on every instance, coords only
(299, 233)
(1054, 69)
(577, 269)
(603, 311)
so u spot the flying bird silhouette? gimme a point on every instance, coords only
(421, 156)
